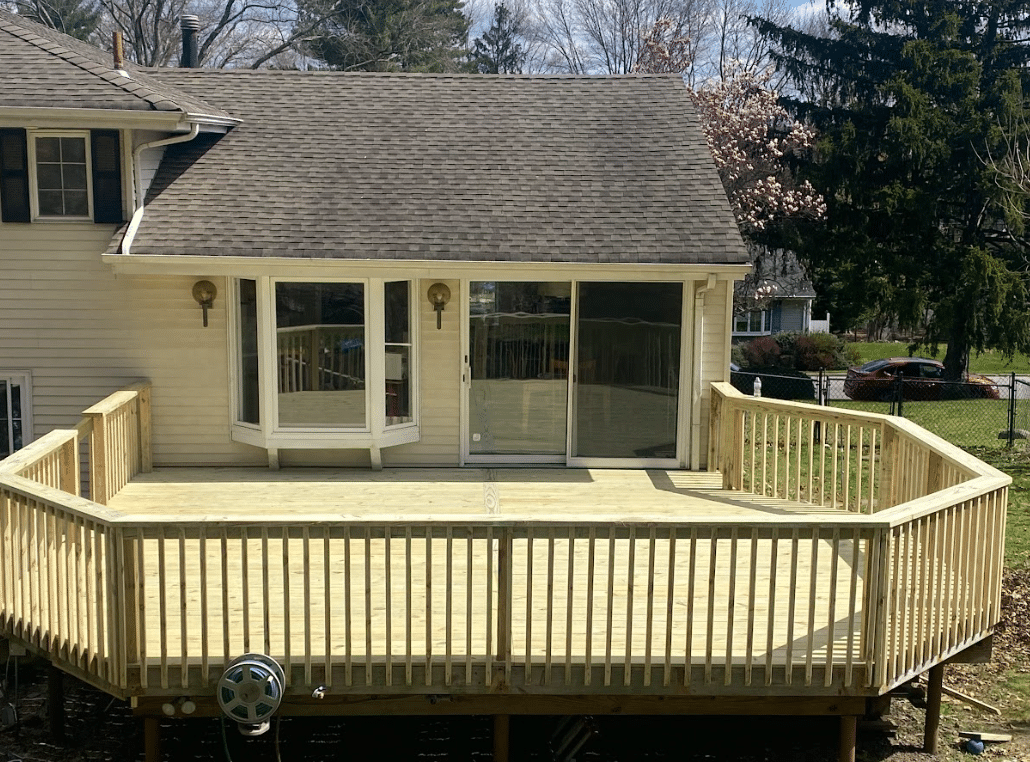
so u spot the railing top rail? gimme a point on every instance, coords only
(932, 503)
(34, 452)
(79, 507)
(949, 452)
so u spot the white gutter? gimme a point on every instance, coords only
(695, 381)
(137, 177)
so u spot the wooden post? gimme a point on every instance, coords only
(98, 459)
(504, 612)
(152, 739)
(132, 609)
(502, 725)
(145, 448)
(70, 476)
(55, 701)
(848, 737)
(935, 682)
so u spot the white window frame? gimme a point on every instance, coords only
(24, 379)
(763, 323)
(33, 136)
(375, 433)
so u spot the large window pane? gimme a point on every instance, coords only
(249, 400)
(320, 333)
(519, 359)
(627, 370)
(397, 299)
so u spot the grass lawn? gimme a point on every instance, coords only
(990, 362)
(966, 423)
(1015, 463)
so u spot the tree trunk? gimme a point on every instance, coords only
(955, 358)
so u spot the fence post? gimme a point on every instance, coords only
(1012, 409)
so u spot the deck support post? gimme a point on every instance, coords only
(502, 726)
(848, 737)
(152, 739)
(935, 683)
(55, 703)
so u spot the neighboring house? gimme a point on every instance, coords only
(245, 311)
(776, 297)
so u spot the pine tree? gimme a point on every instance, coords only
(909, 96)
(386, 35)
(78, 18)
(497, 51)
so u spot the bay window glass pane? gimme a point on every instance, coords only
(248, 392)
(627, 370)
(398, 300)
(397, 306)
(398, 385)
(320, 337)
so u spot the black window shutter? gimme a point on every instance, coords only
(14, 176)
(107, 176)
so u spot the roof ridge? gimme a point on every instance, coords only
(140, 88)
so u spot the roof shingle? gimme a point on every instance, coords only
(442, 167)
(43, 68)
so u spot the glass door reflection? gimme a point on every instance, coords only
(518, 364)
(627, 370)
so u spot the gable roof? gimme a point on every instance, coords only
(44, 68)
(442, 167)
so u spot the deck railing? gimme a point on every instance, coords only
(934, 574)
(842, 602)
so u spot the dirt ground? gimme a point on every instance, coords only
(102, 730)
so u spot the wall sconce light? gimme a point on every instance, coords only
(439, 295)
(204, 292)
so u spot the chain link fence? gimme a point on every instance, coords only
(964, 413)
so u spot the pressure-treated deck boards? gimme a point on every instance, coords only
(617, 600)
(405, 494)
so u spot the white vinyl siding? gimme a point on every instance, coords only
(83, 333)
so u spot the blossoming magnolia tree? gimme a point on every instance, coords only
(752, 139)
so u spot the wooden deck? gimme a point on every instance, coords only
(424, 594)
(439, 494)
(833, 556)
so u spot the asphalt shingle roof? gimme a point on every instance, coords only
(43, 68)
(440, 167)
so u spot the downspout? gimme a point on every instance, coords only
(137, 178)
(695, 381)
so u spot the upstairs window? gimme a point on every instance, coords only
(61, 175)
(51, 175)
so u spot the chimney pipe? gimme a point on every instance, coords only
(190, 49)
(118, 51)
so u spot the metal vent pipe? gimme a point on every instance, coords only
(190, 48)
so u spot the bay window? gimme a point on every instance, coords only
(324, 363)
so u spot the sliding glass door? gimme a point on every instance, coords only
(626, 384)
(619, 404)
(518, 363)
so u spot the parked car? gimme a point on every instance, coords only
(778, 383)
(921, 379)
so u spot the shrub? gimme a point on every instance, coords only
(800, 351)
(762, 352)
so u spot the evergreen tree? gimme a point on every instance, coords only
(78, 18)
(909, 96)
(497, 51)
(385, 35)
